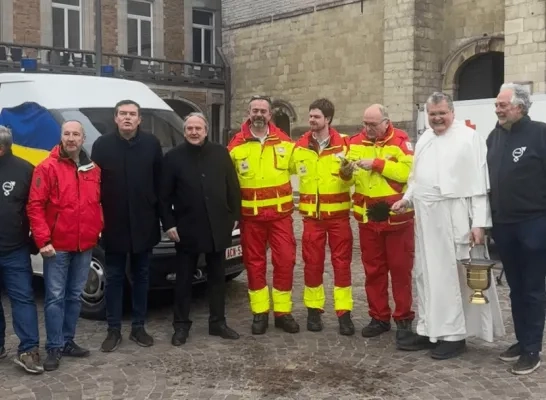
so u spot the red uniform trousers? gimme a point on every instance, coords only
(340, 239)
(388, 248)
(255, 235)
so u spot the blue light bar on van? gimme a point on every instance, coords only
(107, 70)
(29, 64)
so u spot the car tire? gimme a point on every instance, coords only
(93, 300)
(231, 277)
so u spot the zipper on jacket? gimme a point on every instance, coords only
(79, 206)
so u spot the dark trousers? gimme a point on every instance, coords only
(115, 280)
(216, 286)
(16, 276)
(522, 249)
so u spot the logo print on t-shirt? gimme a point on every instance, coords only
(517, 153)
(7, 187)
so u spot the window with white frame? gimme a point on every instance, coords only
(139, 28)
(67, 24)
(203, 36)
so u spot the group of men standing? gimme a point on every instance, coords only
(417, 213)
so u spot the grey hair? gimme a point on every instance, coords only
(520, 96)
(73, 120)
(438, 97)
(383, 111)
(198, 115)
(6, 139)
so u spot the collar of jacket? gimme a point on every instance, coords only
(389, 133)
(308, 141)
(197, 148)
(272, 137)
(8, 155)
(131, 141)
(516, 126)
(85, 162)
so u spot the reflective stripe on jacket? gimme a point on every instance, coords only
(377, 189)
(64, 207)
(263, 172)
(323, 194)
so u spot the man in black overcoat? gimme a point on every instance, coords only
(130, 162)
(199, 180)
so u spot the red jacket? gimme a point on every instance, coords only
(64, 203)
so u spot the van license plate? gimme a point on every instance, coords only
(234, 252)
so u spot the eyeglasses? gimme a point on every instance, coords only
(260, 97)
(375, 124)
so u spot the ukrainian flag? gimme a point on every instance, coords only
(35, 131)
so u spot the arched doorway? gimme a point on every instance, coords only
(282, 121)
(475, 68)
(481, 76)
(283, 115)
(180, 107)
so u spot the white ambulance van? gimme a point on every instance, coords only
(34, 106)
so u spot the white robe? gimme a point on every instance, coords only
(448, 190)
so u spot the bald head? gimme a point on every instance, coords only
(375, 121)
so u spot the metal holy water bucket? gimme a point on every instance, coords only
(478, 277)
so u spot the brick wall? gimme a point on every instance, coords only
(335, 53)
(174, 29)
(26, 21)
(109, 26)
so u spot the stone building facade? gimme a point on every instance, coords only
(395, 52)
(155, 29)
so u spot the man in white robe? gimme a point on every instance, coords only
(448, 190)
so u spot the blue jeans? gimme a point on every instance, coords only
(522, 250)
(16, 275)
(65, 275)
(115, 279)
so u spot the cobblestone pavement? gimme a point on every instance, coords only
(274, 366)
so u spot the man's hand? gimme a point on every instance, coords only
(477, 236)
(347, 168)
(47, 251)
(400, 206)
(173, 235)
(365, 164)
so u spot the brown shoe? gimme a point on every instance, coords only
(30, 362)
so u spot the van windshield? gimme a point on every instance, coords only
(166, 125)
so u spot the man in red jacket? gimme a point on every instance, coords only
(66, 220)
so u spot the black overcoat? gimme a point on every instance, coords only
(202, 185)
(130, 179)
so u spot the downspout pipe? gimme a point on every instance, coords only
(227, 95)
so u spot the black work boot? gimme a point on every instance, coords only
(403, 330)
(376, 328)
(287, 323)
(446, 350)
(260, 322)
(346, 326)
(180, 336)
(314, 321)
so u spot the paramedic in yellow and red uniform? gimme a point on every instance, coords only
(261, 154)
(381, 159)
(325, 202)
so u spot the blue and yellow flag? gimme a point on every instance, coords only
(35, 131)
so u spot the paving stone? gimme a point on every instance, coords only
(274, 366)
